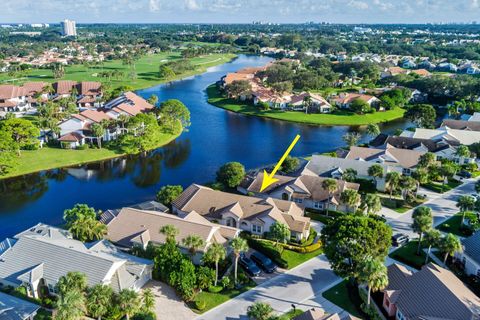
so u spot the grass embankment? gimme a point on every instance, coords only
(146, 69)
(51, 158)
(346, 297)
(214, 299)
(337, 118)
(454, 225)
(442, 188)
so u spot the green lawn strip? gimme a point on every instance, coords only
(398, 205)
(453, 224)
(287, 259)
(146, 68)
(337, 118)
(214, 299)
(437, 186)
(407, 254)
(292, 313)
(50, 158)
(345, 297)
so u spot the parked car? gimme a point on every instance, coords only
(263, 262)
(464, 174)
(400, 239)
(249, 266)
(476, 196)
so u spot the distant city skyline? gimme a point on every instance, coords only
(240, 11)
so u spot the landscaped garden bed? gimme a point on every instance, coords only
(400, 205)
(442, 188)
(407, 254)
(346, 296)
(454, 225)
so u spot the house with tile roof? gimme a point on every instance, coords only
(13, 308)
(316, 103)
(12, 98)
(431, 293)
(252, 214)
(470, 256)
(37, 257)
(344, 100)
(130, 227)
(465, 137)
(306, 190)
(330, 167)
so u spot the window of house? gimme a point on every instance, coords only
(400, 316)
(256, 228)
(406, 171)
(318, 205)
(297, 200)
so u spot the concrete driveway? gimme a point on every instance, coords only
(301, 286)
(167, 304)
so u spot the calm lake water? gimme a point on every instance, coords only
(215, 137)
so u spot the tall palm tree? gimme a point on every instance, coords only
(393, 181)
(99, 299)
(422, 222)
(193, 242)
(129, 302)
(98, 131)
(374, 273)
(351, 198)
(349, 175)
(465, 203)
(169, 231)
(432, 237)
(86, 229)
(307, 101)
(375, 171)
(450, 244)
(70, 306)
(373, 130)
(238, 245)
(215, 253)
(73, 280)
(122, 119)
(330, 185)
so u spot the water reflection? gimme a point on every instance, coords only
(18, 192)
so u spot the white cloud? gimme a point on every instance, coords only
(154, 5)
(192, 5)
(358, 5)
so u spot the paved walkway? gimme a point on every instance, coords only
(301, 286)
(167, 304)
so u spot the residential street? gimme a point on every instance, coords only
(299, 286)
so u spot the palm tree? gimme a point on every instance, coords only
(128, 302)
(307, 101)
(407, 184)
(351, 198)
(465, 203)
(259, 311)
(73, 280)
(351, 138)
(393, 181)
(215, 253)
(122, 119)
(422, 222)
(193, 243)
(238, 245)
(432, 237)
(70, 306)
(330, 185)
(98, 131)
(87, 229)
(450, 244)
(169, 231)
(375, 171)
(148, 300)
(374, 273)
(373, 130)
(99, 299)
(349, 175)
(372, 203)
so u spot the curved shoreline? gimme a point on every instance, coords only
(215, 98)
(102, 155)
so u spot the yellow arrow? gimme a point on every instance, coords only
(268, 179)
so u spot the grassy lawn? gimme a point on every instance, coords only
(146, 68)
(437, 186)
(345, 297)
(453, 224)
(50, 158)
(399, 205)
(287, 259)
(408, 255)
(292, 313)
(214, 299)
(336, 118)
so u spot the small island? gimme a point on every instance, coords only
(287, 90)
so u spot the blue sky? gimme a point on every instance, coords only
(221, 11)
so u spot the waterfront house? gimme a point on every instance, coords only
(470, 256)
(330, 167)
(37, 257)
(13, 308)
(305, 190)
(405, 159)
(310, 102)
(130, 227)
(466, 137)
(431, 293)
(344, 100)
(252, 214)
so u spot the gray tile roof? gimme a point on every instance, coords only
(324, 166)
(471, 247)
(13, 308)
(49, 256)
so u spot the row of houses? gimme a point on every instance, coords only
(25, 98)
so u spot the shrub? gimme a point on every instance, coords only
(83, 147)
(225, 282)
(200, 304)
(215, 289)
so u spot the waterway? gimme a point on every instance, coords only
(215, 137)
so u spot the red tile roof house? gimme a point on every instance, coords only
(13, 99)
(433, 293)
(88, 93)
(345, 99)
(317, 103)
(305, 190)
(128, 104)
